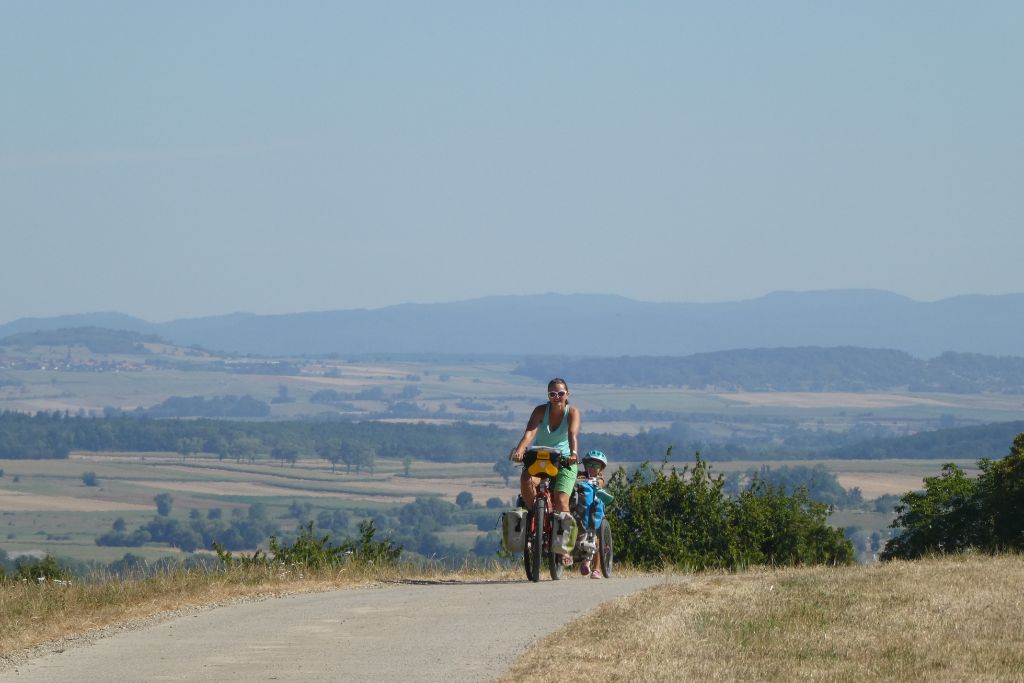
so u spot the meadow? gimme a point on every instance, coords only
(954, 618)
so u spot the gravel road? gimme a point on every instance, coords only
(398, 632)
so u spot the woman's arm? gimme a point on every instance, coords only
(532, 425)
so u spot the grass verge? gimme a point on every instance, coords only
(948, 619)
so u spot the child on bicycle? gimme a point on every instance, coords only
(592, 495)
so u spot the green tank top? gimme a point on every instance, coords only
(553, 439)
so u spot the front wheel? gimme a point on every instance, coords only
(534, 541)
(606, 548)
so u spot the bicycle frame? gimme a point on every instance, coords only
(539, 534)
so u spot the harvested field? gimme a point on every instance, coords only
(241, 488)
(16, 501)
(231, 488)
(826, 399)
(873, 485)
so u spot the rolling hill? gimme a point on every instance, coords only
(600, 325)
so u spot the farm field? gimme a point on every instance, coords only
(874, 477)
(47, 508)
(481, 392)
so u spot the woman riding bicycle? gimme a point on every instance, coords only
(554, 424)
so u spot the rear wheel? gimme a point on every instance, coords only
(606, 548)
(534, 541)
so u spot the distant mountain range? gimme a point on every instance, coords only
(599, 325)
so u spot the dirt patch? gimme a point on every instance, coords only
(16, 501)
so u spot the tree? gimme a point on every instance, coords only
(163, 504)
(300, 511)
(358, 454)
(282, 395)
(367, 458)
(406, 465)
(955, 513)
(189, 446)
(329, 450)
(1001, 489)
(464, 499)
(335, 520)
(119, 524)
(286, 450)
(219, 445)
(505, 469)
(245, 447)
(89, 479)
(409, 392)
(938, 519)
(334, 457)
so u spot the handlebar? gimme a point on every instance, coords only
(545, 462)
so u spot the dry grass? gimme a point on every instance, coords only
(942, 619)
(32, 614)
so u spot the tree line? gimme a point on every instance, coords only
(56, 434)
(96, 339)
(794, 369)
(355, 444)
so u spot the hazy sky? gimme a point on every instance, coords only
(179, 159)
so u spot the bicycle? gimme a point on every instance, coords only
(544, 463)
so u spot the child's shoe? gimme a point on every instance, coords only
(596, 574)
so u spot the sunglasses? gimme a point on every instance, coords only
(556, 394)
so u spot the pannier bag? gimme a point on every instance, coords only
(513, 530)
(563, 532)
(542, 462)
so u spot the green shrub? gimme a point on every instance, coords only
(685, 519)
(314, 552)
(46, 569)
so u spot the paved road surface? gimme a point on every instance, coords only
(400, 632)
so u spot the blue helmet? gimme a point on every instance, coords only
(597, 456)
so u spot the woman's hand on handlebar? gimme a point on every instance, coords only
(516, 454)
